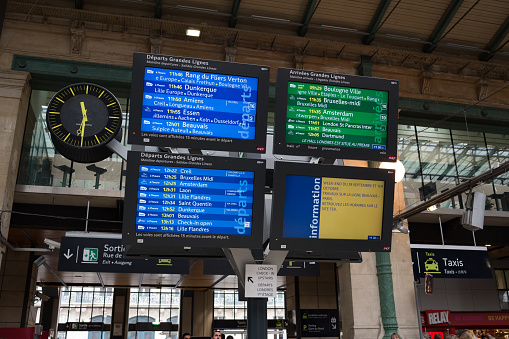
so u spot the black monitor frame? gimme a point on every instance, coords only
(136, 136)
(282, 169)
(281, 146)
(159, 244)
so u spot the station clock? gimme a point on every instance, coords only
(82, 119)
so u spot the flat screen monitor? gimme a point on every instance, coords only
(335, 116)
(200, 104)
(331, 208)
(187, 201)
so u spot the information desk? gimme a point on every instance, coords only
(335, 116)
(195, 103)
(331, 208)
(189, 200)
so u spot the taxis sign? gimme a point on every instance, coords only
(451, 261)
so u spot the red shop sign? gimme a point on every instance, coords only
(437, 317)
(479, 318)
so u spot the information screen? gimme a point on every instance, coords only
(335, 207)
(191, 200)
(194, 103)
(335, 116)
(323, 201)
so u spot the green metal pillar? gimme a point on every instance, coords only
(386, 293)
(383, 259)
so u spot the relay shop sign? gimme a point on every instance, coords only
(451, 261)
(437, 317)
(319, 323)
(107, 255)
(261, 281)
(467, 319)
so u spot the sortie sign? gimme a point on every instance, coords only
(107, 255)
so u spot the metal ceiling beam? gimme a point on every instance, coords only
(495, 42)
(159, 9)
(442, 25)
(465, 186)
(375, 21)
(308, 14)
(100, 279)
(234, 14)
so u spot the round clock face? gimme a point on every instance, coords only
(84, 116)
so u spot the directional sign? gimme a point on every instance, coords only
(319, 323)
(107, 255)
(261, 281)
(84, 326)
(288, 269)
(470, 262)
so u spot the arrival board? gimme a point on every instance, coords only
(336, 116)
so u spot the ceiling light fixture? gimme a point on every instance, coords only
(196, 9)
(193, 32)
(340, 28)
(268, 18)
(397, 167)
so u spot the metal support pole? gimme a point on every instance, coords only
(418, 303)
(441, 230)
(257, 317)
(86, 221)
(386, 292)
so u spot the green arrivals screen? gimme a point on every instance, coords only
(325, 115)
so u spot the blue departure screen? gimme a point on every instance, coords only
(199, 104)
(194, 200)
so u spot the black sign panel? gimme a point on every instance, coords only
(196, 103)
(335, 115)
(451, 263)
(319, 323)
(242, 324)
(331, 208)
(288, 269)
(191, 201)
(107, 255)
(92, 327)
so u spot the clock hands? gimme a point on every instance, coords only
(81, 129)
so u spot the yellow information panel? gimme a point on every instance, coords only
(351, 209)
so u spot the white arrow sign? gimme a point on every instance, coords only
(260, 281)
(68, 255)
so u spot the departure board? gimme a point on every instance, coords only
(335, 208)
(189, 200)
(195, 103)
(194, 200)
(335, 116)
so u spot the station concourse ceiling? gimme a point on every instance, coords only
(461, 36)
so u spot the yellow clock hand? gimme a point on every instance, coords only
(84, 112)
